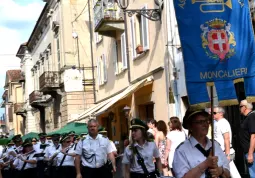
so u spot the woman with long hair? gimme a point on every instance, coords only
(175, 137)
(139, 155)
(163, 145)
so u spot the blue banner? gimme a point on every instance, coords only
(217, 39)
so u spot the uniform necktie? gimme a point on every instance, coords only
(206, 153)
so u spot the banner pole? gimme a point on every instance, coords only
(212, 125)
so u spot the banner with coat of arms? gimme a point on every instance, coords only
(217, 39)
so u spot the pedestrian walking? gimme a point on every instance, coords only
(176, 136)
(163, 145)
(223, 135)
(139, 155)
(193, 157)
(247, 135)
(93, 152)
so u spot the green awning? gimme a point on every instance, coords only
(79, 128)
(30, 135)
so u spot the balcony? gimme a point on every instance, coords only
(19, 108)
(108, 18)
(49, 81)
(35, 97)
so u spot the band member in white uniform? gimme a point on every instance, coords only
(40, 151)
(65, 159)
(193, 157)
(26, 163)
(139, 155)
(50, 156)
(93, 151)
(6, 158)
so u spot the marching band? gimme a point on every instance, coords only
(39, 159)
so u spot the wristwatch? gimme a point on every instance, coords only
(227, 155)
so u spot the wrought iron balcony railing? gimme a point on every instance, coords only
(49, 80)
(107, 16)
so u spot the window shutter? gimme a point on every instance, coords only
(10, 114)
(123, 51)
(145, 31)
(133, 39)
(104, 68)
(115, 58)
(98, 72)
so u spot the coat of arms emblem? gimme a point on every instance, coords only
(217, 39)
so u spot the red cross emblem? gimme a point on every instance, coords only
(218, 42)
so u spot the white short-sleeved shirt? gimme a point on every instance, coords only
(187, 157)
(18, 163)
(68, 161)
(93, 152)
(113, 147)
(148, 151)
(51, 150)
(176, 137)
(39, 150)
(222, 126)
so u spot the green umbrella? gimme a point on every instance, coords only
(30, 135)
(4, 141)
(74, 126)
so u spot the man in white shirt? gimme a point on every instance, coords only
(223, 135)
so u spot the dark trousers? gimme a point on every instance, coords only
(52, 172)
(28, 173)
(66, 172)
(40, 169)
(139, 175)
(101, 172)
(7, 173)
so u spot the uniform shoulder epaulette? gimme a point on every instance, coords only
(179, 145)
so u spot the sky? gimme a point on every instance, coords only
(17, 20)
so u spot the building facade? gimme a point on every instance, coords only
(13, 102)
(138, 70)
(57, 66)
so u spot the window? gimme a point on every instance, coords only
(98, 38)
(102, 70)
(139, 33)
(123, 52)
(58, 52)
(115, 57)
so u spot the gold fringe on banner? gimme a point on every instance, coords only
(209, 84)
(238, 80)
(228, 102)
(250, 99)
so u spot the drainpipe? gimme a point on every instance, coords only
(91, 51)
(127, 48)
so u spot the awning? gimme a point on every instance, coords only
(104, 105)
(122, 95)
(30, 135)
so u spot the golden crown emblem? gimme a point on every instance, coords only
(216, 23)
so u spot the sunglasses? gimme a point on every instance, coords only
(215, 113)
(241, 106)
(68, 141)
